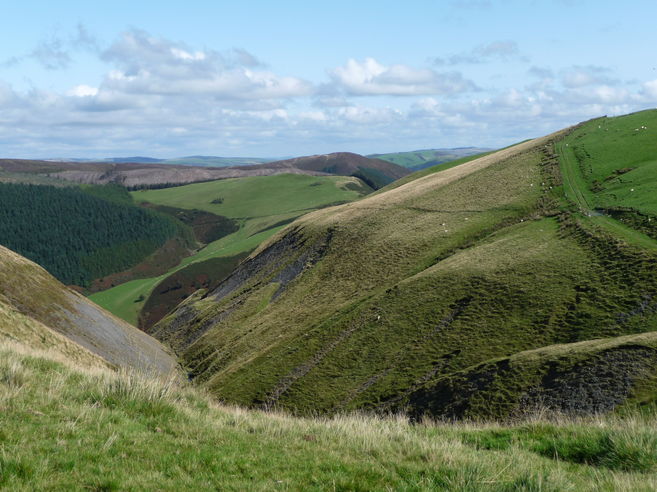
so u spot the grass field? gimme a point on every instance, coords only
(261, 205)
(71, 427)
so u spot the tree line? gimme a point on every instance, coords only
(79, 234)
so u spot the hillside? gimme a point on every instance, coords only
(69, 426)
(81, 235)
(38, 310)
(375, 172)
(140, 175)
(421, 159)
(368, 304)
(258, 206)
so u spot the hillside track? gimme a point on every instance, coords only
(577, 191)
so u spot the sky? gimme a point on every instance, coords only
(271, 79)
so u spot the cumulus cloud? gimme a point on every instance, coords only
(370, 77)
(501, 50)
(167, 98)
(649, 89)
(149, 65)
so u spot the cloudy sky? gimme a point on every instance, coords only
(284, 78)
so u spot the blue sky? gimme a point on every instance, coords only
(296, 77)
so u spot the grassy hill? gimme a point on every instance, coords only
(370, 303)
(421, 159)
(375, 172)
(260, 206)
(76, 426)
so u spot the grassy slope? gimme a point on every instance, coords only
(610, 164)
(447, 271)
(64, 427)
(34, 305)
(17, 327)
(430, 170)
(258, 203)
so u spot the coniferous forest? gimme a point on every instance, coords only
(79, 234)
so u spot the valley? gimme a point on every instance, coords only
(260, 206)
(512, 290)
(328, 246)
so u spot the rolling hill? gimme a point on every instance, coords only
(457, 275)
(375, 172)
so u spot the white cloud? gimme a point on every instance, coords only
(161, 97)
(370, 77)
(649, 89)
(83, 91)
(153, 66)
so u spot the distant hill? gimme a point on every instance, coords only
(376, 173)
(213, 161)
(421, 159)
(520, 280)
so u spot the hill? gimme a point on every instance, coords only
(213, 161)
(37, 310)
(370, 303)
(375, 172)
(259, 206)
(192, 160)
(421, 159)
(145, 175)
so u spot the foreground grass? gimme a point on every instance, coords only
(65, 427)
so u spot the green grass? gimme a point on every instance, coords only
(122, 300)
(259, 204)
(609, 164)
(65, 427)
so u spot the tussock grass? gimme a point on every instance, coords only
(69, 427)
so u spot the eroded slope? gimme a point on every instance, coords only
(32, 301)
